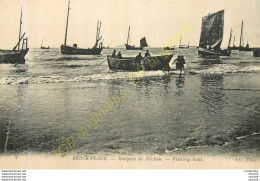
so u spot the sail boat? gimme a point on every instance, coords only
(96, 50)
(241, 44)
(234, 46)
(183, 46)
(143, 43)
(212, 34)
(43, 47)
(16, 55)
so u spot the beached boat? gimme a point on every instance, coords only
(132, 64)
(16, 55)
(241, 44)
(74, 50)
(212, 35)
(183, 46)
(143, 43)
(256, 52)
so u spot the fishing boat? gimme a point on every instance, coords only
(133, 64)
(212, 35)
(143, 43)
(183, 46)
(74, 50)
(241, 44)
(234, 47)
(256, 52)
(169, 48)
(16, 55)
(43, 47)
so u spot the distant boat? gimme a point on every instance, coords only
(233, 47)
(169, 48)
(131, 64)
(183, 46)
(212, 35)
(241, 44)
(16, 55)
(256, 52)
(96, 50)
(143, 43)
(43, 47)
(105, 47)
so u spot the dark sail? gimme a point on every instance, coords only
(143, 42)
(212, 30)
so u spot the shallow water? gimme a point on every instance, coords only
(211, 105)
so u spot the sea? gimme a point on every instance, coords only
(45, 102)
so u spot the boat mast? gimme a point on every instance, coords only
(230, 37)
(20, 29)
(42, 42)
(180, 40)
(241, 36)
(65, 41)
(128, 35)
(234, 41)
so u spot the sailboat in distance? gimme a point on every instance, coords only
(183, 46)
(43, 47)
(241, 44)
(143, 43)
(16, 55)
(212, 35)
(96, 50)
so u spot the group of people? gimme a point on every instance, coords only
(138, 57)
(119, 55)
(180, 61)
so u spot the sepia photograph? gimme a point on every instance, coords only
(129, 84)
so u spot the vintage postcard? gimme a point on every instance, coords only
(130, 84)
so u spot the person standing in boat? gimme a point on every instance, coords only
(139, 56)
(119, 55)
(147, 54)
(114, 54)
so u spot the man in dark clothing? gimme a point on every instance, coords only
(147, 54)
(139, 56)
(177, 60)
(119, 55)
(182, 62)
(114, 54)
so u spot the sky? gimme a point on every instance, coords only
(158, 20)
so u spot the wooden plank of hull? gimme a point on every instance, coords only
(256, 52)
(80, 51)
(129, 47)
(204, 51)
(13, 56)
(130, 64)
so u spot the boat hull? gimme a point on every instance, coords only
(204, 51)
(245, 49)
(129, 47)
(131, 64)
(183, 46)
(169, 48)
(256, 52)
(80, 51)
(13, 56)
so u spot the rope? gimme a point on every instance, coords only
(100, 63)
